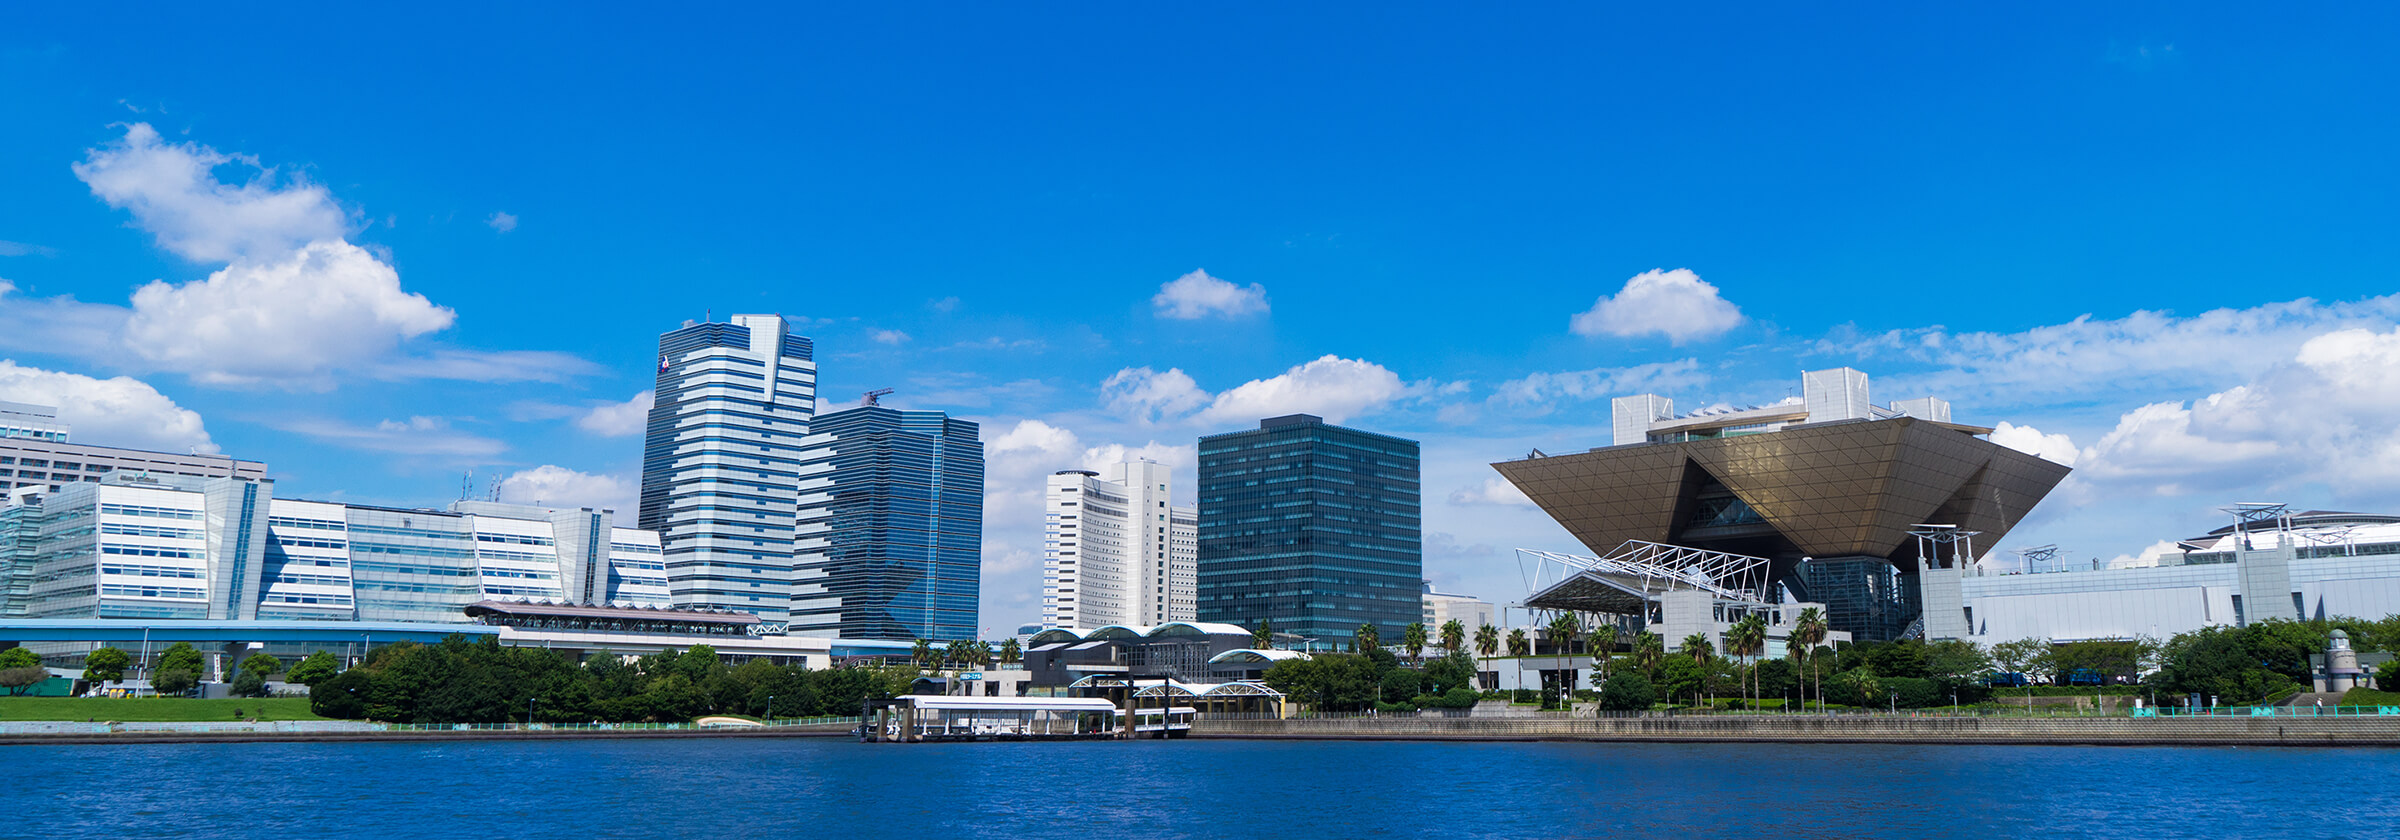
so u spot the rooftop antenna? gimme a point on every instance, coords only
(2032, 558)
(466, 485)
(875, 397)
(1931, 538)
(495, 491)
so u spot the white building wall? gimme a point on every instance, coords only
(1117, 550)
(1837, 394)
(638, 571)
(308, 569)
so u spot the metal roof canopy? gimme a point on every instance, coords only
(1627, 580)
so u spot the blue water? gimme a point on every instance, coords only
(1284, 790)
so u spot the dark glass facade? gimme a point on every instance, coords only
(1313, 527)
(902, 524)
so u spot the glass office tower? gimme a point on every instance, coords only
(1313, 527)
(720, 461)
(891, 531)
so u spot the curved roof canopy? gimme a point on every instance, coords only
(1253, 656)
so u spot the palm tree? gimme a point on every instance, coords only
(1807, 630)
(1367, 639)
(1454, 636)
(1602, 646)
(1702, 651)
(1413, 638)
(1264, 637)
(922, 654)
(956, 651)
(1518, 645)
(1860, 680)
(1748, 638)
(1009, 651)
(1487, 642)
(1648, 649)
(1563, 630)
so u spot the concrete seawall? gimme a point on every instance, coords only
(2283, 731)
(62, 732)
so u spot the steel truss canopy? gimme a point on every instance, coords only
(1629, 579)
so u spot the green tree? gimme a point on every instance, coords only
(1487, 643)
(1412, 637)
(1367, 638)
(1454, 635)
(1263, 638)
(922, 655)
(2029, 657)
(1680, 676)
(1648, 651)
(1860, 684)
(1010, 652)
(1747, 638)
(1627, 692)
(181, 656)
(249, 684)
(1563, 629)
(21, 680)
(315, 668)
(1518, 645)
(171, 682)
(262, 664)
(1454, 670)
(106, 665)
(1601, 643)
(17, 657)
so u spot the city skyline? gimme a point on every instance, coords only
(2153, 245)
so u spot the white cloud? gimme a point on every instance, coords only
(502, 222)
(630, 417)
(888, 336)
(1541, 389)
(2148, 556)
(329, 304)
(2031, 441)
(2146, 352)
(20, 249)
(1197, 295)
(173, 192)
(1330, 387)
(414, 436)
(121, 411)
(1146, 395)
(1676, 304)
(558, 487)
(1493, 491)
(2328, 416)
(485, 366)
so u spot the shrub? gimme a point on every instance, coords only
(1627, 692)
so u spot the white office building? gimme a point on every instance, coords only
(1468, 610)
(35, 455)
(131, 546)
(720, 464)
(1117, 550)
(2274, 564)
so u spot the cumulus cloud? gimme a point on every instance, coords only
(173, 192)
(413, 436)
(1493, 491)
(120, 411)
(894, 337)
(2031, 441)
(2329, 415)
(299, 314)
(558, 487)
(502, 222)
(630, 417)
(20, 249)
(1197, 295)
(1146, 395)
(1331, 387)
(1676, 304)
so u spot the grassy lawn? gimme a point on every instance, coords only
(152, 708)
(2370, 697)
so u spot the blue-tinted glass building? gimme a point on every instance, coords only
(720, 461)
(891, 527)
(1313, 527)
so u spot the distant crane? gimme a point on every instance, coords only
(874, 397)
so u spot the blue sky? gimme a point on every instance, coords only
(2155, 239)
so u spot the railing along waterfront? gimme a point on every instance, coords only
(1771, 714)
(265, 727)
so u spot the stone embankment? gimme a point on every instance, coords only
(2285, 731)
(70, 732)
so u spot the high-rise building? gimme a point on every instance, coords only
(1310, 526)
(1118, 550)
(31, 422)
(1442, 608)
(720, 462)
(890, 527)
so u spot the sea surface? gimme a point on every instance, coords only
(1287, 790)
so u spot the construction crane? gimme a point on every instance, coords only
(873, 397)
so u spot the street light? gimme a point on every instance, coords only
(770, 707)
(1895, 696)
